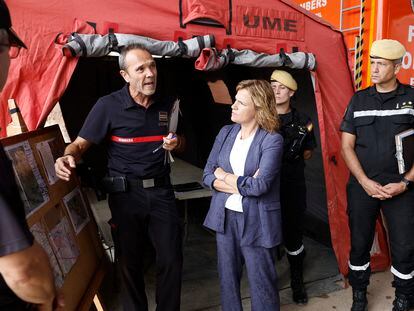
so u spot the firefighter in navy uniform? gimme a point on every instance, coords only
(26, 277)
(299, 141)
(133, 123)
(373, 117)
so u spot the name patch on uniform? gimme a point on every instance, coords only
(163, 116)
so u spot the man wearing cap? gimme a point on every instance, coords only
(299, 141)
(373, 117)
(24, 266)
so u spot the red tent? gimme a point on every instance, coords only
(40, 75)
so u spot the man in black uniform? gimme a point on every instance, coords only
(133, 122)
(299, 141)
(373, 117)
(24, 265)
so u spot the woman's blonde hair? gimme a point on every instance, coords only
(264, 102)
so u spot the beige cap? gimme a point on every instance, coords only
(387, 49)
(285, 78)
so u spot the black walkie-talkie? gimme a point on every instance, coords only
(294, 151)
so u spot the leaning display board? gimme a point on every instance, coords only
(58, 215)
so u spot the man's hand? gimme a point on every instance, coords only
(64, 166)
(394, 189)
(170, 142)
(374, 189)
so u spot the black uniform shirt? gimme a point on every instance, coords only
(375, 119)
(289, 130)
(117, 114)
(14, 233)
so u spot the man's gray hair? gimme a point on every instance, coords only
(126, 49)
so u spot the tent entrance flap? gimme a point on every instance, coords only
(316, 222)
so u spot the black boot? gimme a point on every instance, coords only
(401, 303)
(359, 300)
(299, 294)
(404, 294)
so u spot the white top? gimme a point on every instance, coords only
(238, 157)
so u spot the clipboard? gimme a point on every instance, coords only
(404, 144)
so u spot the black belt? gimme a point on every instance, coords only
(148, 183)
(116, 184)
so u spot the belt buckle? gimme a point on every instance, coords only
(148, 183)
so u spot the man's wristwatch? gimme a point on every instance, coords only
(407, 182)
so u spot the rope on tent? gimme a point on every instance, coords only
(95, 45)
(211, 59)
(359, 48)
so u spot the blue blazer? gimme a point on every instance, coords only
(261, 203)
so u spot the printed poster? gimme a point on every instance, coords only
(76, 208)
(64, 245)
(49, 152)
(32, 187)
(39, 233)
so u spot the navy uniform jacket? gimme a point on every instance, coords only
(375, 118)
(294, 169)
(261, 203)
(14, 233)
(118, 115)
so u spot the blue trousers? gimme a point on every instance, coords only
(260, 266)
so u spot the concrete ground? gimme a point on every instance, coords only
(200, 285)
(380, 297)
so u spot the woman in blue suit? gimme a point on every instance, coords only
(243, 171)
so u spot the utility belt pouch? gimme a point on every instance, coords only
(115, 184)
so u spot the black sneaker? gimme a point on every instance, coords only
(359, 300)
